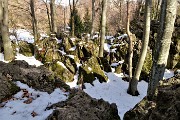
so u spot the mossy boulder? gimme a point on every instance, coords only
(68, 43)
(80, 106)
(90, 70)
(7, 88)
(26, 48)
(104, 63)
(61, 71)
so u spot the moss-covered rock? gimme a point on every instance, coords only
(26, 48)
(90, 70)
(7, 88)
(80, 106)
(61, 71)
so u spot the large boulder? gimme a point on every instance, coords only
(90, 70)
(166, 105)
(61, 71)
(80, 106)
(7, 87)
(39, 78)
(26, 48)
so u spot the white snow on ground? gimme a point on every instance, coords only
(117, 63)
(168, 74)
(71, 56)
(114, 91)
(62, 64)
(24, 35)
(2, 58)
(73, 48)
(107, 47)
(29, 60)
(17, 109)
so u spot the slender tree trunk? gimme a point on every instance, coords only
(167, 19)
(103, 27)
(147, 20)
(93, 16)
(72, 10)
(53, 16)
(34, 21)
(130, 49)
(64, 18)
(8, 51)
(48, 14)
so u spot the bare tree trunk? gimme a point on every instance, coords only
(64, 18)
(93, 17)
(48, 14)
(72, 9)
(147, 20)
(8, 51)
(103, 27)
(34, 21)
(130, 50)
(53, 16)
(168, 15)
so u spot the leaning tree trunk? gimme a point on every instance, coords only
(103, 27)
(53, 16)
(167, 19)
(147, 20)
(130, 49)
(34, 21)
(93, 17)
(8, 51)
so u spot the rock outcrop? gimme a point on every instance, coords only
(37, 77)
(80, 106)
(7, 87)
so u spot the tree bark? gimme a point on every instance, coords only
(103, 27)
(93, 16)
(8, 51)
(48, 14)
(147, 20)
(53, 16)
(167, 19)
(130, 49)
(34, 21)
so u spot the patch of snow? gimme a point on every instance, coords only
(16, 109)
(23, 35)
(73, 39)
(62, 64)
(107, 47)
(115, 91)
(122, 36)
(2, 58)
(117, 63)
(71, 56)
(168, 74)
(73, 48)
(89, 68)
(74, 83)
(29, 60)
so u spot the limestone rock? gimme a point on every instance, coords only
(7, 87)
(90, 70)
(80, 106)
(39, 78)
(26, 48)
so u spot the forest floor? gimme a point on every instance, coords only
(113, 91)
